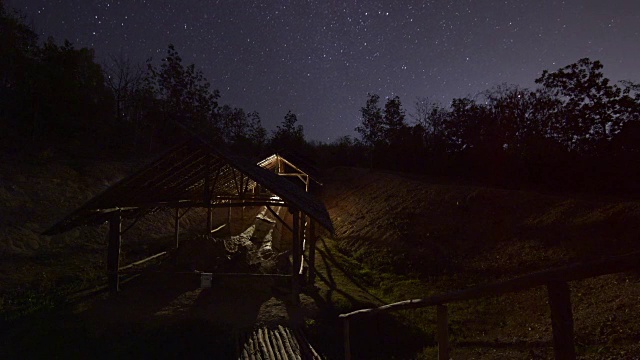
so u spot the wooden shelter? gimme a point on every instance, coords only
(280, 163)
(198, 174)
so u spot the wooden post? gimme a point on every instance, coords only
(209, 219)
(229, 218)
(113, 252)
(443, 333)
(561, 320)
(312, 252)
(177, 227)
(347, 343)
(303, 243)
(207, 196)
(295, 253)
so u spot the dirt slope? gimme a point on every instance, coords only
(448, 237)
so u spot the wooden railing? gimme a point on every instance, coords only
(558, 291)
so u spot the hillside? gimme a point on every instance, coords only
(397, 237)
(412, 237)
(37, 190)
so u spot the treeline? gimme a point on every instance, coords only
(57, 96)
(576, 131)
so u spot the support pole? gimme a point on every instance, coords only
(303, 243)
(443, 333)
(229, 219)
(207, 195)
(113, 251)
(561, 320)
(209, 219)
(296, 253)
(347, 343)
(177, 228)
(312, 252)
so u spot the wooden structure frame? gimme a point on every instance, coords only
(279, 164)
(283, 167)
(555, 281)
(195, 174)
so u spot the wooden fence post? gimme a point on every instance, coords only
(296, 253)
(347, 344)
(177, 228)
(312, 252)
(113, 251)
(561, 320)
(443, 333)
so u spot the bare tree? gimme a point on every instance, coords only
(125, 80)
(432, 117)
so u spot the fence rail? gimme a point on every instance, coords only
(558, 291)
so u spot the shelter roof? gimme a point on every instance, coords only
(297, 163)
(194, 174)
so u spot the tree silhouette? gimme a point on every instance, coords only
(185, 95)
(394, 120)
(289, 135)
(371, 127)
(18, 57)
(590, 112)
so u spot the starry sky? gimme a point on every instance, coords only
(320, 58)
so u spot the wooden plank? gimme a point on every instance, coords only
(265, 339)
(280, 345)
(140, 262)
(443, 333)
(176, 225)
(252, 348)
(294, 343)
(261, 351)
(218, 229)
(275, 214)
(113, 251)
(347, 343)
(97, 290)
(291, 174)
(568, 273)
(189, 204)
(206, 196)
(301, 241)
(312, 352)
(296, 253)
(287, 344)
(312, 252)
(561, 320)
(184, 212)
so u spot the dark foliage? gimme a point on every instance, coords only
(577, 131)
(56, 97)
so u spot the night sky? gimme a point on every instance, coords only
(321, 58)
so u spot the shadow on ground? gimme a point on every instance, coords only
(339, 291)
(157, 315)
